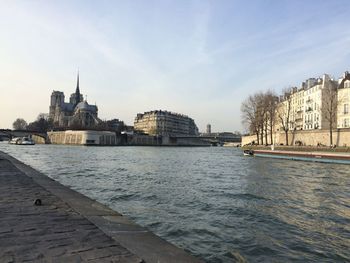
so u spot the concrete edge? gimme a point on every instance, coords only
(133, 237)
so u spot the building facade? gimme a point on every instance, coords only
(343, 113)
(165, 123)
(75, 113)
(305, 103)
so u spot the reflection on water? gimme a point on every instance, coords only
(213, 202)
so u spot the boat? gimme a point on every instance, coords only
(22, 141)
(26, 141)
(14, 140)
(248, 153)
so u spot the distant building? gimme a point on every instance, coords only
(166, 123)
(116, 125)
(75, 113)
(208, 131)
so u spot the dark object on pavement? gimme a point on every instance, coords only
(37, 202)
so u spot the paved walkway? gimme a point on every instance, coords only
(68, 227)
(52, 232)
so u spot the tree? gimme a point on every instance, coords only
(272, 101)
(44, 116)
(261, 112)
(42, 123)
(250, 115)
(284, 112)
(19, 124)
(330, 105)
(259, 115)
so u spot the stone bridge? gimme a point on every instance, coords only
(216, 139)
(37, 136)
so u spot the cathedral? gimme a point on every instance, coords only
(76, 113)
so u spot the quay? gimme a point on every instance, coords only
(316, 156)
(44, 221)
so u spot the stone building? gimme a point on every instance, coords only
(343, 113)
(311, 109)
(315, 93)
(306, 104)
(75, 113)
(165, 123)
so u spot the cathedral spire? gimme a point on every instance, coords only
(77, 91)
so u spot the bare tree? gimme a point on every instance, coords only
(261, 112)
(19, 124)
(249, 110)
(284, 112)
(330, 106)
(44, 116)
(271, 108)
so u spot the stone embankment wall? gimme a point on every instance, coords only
(147, 140)
(111, 138)
(341, 137)
(84, 138)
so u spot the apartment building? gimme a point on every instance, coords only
(166, 123)
(343, 114)
(306, 103)
(297, 109)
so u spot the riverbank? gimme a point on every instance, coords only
(314, 154)
(299, 148)
(67, 226)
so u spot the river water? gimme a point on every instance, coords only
(213, 202)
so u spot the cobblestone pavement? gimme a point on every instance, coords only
(51, 232)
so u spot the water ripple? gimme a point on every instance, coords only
(213, 202)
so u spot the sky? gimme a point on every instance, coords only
(199, 58)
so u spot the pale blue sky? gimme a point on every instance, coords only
(199, 58)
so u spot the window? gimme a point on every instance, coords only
(346, 108)
(346, 123)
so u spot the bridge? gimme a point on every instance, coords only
(216, 139)
(7, 134)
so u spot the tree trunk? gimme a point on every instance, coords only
(262, 136)
(257, 138)
(266, 135)
(271, 135)
(286, 137)
(331, 133)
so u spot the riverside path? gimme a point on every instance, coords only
(67, 226)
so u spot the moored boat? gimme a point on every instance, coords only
(22, 141)
(14, 140)
(248, 153)
(26, 141)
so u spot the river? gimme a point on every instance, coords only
(213, 202)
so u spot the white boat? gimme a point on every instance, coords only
(14, 140)
(26, 141)
(22, 141)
